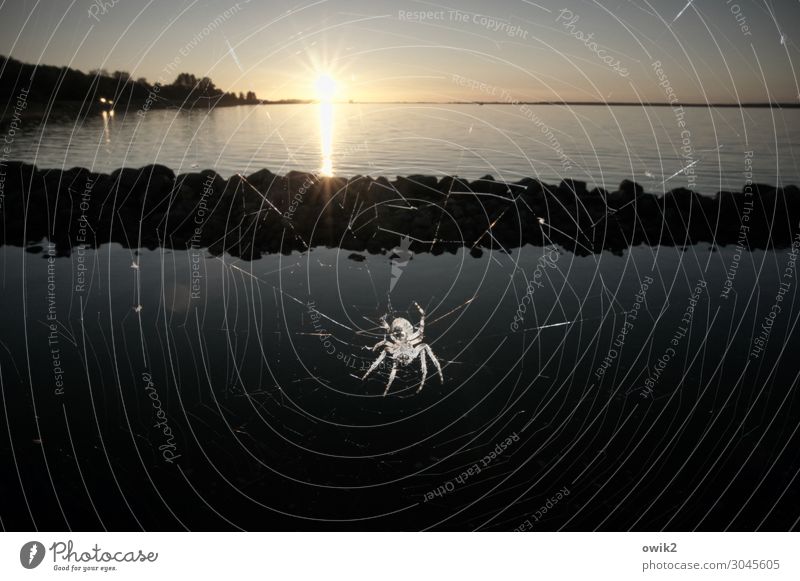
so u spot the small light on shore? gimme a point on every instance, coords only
(102, 99)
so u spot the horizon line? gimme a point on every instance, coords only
(751, 104)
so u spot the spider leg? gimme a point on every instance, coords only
(429, 351)
(375, 364)
(392, 374)
(421, 326)
(424, 367)
(416, 337)
(379, 344)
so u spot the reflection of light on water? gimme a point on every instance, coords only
(107, 117)
(326, 137)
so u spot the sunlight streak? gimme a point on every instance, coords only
(326, 88)
(326, 137)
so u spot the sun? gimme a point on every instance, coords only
(326, 87)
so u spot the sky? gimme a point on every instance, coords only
(620, 50)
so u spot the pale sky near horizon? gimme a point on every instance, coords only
(716, 51)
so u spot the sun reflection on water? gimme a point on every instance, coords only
(327, 89)
(108, 118)
(326, 137)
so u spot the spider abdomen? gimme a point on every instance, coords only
(404, 355)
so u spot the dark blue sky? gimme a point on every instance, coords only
(379, 50)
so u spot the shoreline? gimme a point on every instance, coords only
(74, 111)
(66, 111)
(267, 213)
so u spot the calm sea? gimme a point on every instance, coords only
(599, 144)
(166, 388)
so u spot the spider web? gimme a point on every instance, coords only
(564, 369)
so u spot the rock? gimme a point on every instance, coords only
(18, 172)
(760, 189)
(490, 186)
(452, 184)
(423, 180)
(192, 181)
(161, 171)
(155, 207)
(263, 178)
(417, 186)
(682, 200)
(381, 189)
(631, 189)
(533, 192)
(577, 188)
(213, 183)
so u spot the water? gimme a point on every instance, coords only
(168, 389)
(255, 368)
(602, 145)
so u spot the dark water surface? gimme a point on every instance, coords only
(176, 389)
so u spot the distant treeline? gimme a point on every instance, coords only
(43, 84)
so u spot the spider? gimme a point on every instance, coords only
(404, 346)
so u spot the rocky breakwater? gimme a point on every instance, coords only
(246, 216)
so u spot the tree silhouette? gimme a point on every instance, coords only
(45, 84)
